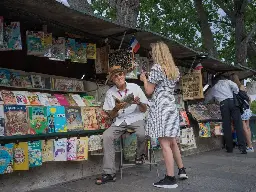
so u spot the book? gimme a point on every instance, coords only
(91, 51)
(78, 85)
(74, 118)
(47, 150)
(35, 43)
(5, 77)
(58, 49)
(79, 101)
(72, 149)
(37, 120)
(6, 158)
(204, 130)
(62, 99)
(26, 81)
(90, 101)
(21, 97)
(35, 153)
(70, 48)
(82, 148)
(13, 35)
(60, 150)
(15, 79)
(15, 120)
(63, 84)
(95, 143)
(80, 53)
(56, 119)
(53, 101)
(8, 97)
(46, 82)
(36, 81)
(2, 125)
(103, 119)
(20, 157)
(44, 98)
(33, 98)
(71, 100)
(89, 118)
(47, 44)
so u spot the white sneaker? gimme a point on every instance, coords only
(249, 150)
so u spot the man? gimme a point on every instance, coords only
(125, 116)
(222, 91)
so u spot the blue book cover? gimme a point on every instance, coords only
(6, 158)
(4, 77)
(35, 153)
(56, 119)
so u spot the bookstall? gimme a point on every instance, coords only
(53, 67)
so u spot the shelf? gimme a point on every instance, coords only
(209, 120)
(47, 136)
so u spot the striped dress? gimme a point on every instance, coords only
(163, 116)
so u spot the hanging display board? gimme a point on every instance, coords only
(192, 87)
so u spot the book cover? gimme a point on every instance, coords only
(35, 153)
(82, 148)
(71, 100)
(91, 51)
(90, 101)
(2, 125)
(20, 157)
(89, 118)
(6, 158)
(53, 101)
(74, 118)
(56, 119)
(204, 130)
(5, 77)
(47, 44)
(37, 120)
(63, 84)
(104, 121)
(36, 81)
(78, 85)
(15, 80)
(46, 82)
(26, 81)
(184, 118)
(95, 143)
(43, 98)
(72, 149)
(70, 48)
(21, 97)
(62, 99)
(8, 97)
(35, 43)
(15, 120)
(79, 101)
(1, 99)
(60, 150)
(58, 49)
(80, 53)
(14, 36)
(47, 150)
(33, 98)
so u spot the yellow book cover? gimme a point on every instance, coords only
(21, 161)
(91, 51)
(47, 152)
(82, 148)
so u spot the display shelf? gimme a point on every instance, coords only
(209, 120)
(47, 136)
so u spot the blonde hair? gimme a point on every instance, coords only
(236, 80)
(162, 56)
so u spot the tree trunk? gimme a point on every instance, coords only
(207, 36)
(126, 11)
(81, 5)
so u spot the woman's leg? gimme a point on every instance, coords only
(176, 152)
(247, 122)
(167, 154)
(247, 134)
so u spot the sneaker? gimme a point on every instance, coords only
(105, 178)
(182, 173)
(249, 150)
(167, 183)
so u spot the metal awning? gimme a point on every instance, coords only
(94, 27)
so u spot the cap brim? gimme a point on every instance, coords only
(109, 76)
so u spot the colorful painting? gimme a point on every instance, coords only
(72, 149)
(56, 119)
(37, 120)
(60, 150)
(21, 160)
(15, 120)
(74, 118)
(6, 158)
(35, 153)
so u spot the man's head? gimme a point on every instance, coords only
(117, 76)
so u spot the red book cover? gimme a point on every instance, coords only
(62, 100)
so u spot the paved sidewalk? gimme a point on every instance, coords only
(208, 172)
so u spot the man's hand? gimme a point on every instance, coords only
(136, 101)
(120, 105)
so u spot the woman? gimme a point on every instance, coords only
(163, 116)
(245, 116)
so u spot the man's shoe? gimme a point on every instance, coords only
(182, 173)
(105, 178)
(167, 183)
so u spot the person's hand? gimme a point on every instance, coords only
(136, 100)
(143, 77)
(120, 105)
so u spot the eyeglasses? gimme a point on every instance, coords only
(118, 75)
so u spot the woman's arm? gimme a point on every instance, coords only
(149, 87)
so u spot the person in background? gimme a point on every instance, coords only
(163, 117)
(125, 116)
(223, 91)
(247, 113)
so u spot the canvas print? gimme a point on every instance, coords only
(5, 77)
(82, 148)
(15, 80)
(56, 119)
(35, 153)
(21, 97)
(89, 118)
(20, 157)
(47, 150)
(72, 149)
(37, 120)
(6, 158)
(15, 120)
(74, 118)
(60, 150)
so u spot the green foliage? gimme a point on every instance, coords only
(253, 107)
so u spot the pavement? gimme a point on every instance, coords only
(208, 172)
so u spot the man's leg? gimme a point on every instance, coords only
(139, 127)
(236, 116)
(109, 135)
(226, 119)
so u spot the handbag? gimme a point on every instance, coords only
(241, 100)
